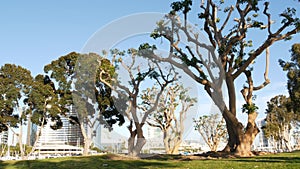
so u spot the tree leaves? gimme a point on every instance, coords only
(279, 117)
(79, 85)
(184, 6)
(249, 108)
(15, 84)
(293, 74)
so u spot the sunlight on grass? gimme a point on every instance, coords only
(281, 161)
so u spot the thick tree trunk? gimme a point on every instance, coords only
(166, 143)
(240, 140)
(87, 140)
(214, 147)
(139, 146)
(135, 149)
(136, 145)
(234, 129)
(247, 138)
(20, 137)
(131, 142)
(22, 151)
(86, 147)
(175, 149)
(171, 144)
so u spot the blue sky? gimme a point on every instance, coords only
(33, 33)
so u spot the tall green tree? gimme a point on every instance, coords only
(279, 121)
(78, 86)
(44, 106)
(228, 56)
(15, 84)
(292, 68)
(90, 91)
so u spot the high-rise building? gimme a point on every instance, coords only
(67, 140)
(4, 137)
(263, 143)
(286, 143)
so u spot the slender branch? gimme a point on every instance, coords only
(206, 65)
(37, 138)
(128, 69)
(164, 85)
(207, 23)
(267, 80)
(154, 125)
(114, 87)
(269, 17)
(184, 68)
(227, 18)
(260, 49)
(284, 26)
(15, 133)
(214, 17)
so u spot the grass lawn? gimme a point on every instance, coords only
(276, 161)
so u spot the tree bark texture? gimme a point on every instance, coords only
(240, 139)
(136, 140)
(87, 140)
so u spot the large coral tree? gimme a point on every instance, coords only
(212, 130)
(139, 72)
(170, 114)
(228, 55)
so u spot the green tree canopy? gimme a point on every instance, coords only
(292, 68)
(77, 82)
(279, 117)
(15, 84)
(80, 90)
(44, 102)
(279, 120)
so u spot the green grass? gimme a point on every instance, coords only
(278, 161)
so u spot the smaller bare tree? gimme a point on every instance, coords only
(212, 129)
(170, 114)
(128, 92)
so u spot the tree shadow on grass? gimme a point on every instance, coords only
(271, 159)
(92, 162)
(1, 163)
(164, 157)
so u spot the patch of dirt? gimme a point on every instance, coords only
(119, 157)
(216, 155)
(260, 153)
(203, 156)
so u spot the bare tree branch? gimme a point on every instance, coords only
(269, 17)
(267, 80)
(227, 18)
